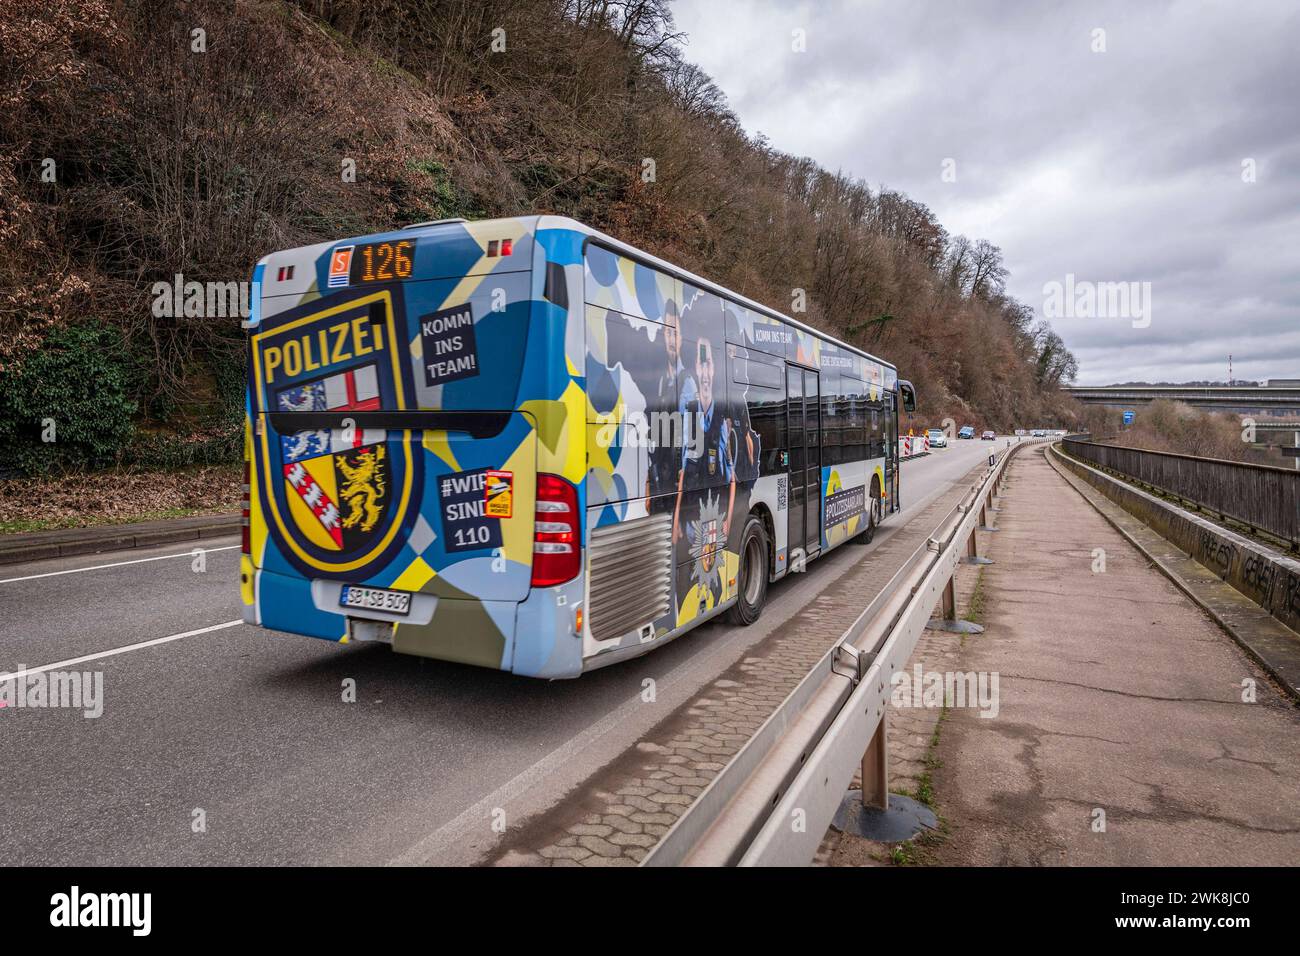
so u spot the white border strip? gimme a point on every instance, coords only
(117, 564)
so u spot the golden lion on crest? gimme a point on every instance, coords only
(364, 488)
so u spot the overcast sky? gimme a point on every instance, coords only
(1117, 166)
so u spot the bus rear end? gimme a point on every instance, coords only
(412, 476)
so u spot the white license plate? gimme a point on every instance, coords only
(375, 599)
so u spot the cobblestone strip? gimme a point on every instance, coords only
(626, 807)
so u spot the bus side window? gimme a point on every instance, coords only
(556, 289)
(854, 419)
(877, 435)
(767, 418)
(757, 387)
(833, 452)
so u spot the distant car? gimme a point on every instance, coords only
(1037, 433)
(937, 438)
(967, 431)
(988, 435)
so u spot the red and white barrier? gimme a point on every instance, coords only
(909, 446)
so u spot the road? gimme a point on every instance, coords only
(221, 743)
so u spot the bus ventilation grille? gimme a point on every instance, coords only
(631, 575)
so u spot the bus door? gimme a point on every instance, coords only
(891, 450)
(803, 428)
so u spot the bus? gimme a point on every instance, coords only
(523, 444)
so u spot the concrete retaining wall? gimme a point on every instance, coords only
(1267, 577)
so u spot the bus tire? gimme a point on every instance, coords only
(751, 575)
(875, 514)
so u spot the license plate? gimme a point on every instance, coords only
(375, 599)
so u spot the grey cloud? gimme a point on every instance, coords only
(1118, 166)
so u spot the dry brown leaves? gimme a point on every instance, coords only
(112, 497)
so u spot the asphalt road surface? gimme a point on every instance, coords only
(225, 743)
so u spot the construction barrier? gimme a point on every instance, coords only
(909, 446)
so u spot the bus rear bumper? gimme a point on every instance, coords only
(535, 637)
(284, 603)
(466, 631)
(547, 643)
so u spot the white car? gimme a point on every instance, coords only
(937, 438)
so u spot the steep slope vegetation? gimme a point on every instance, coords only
(144, 139)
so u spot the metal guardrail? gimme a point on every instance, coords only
(1261, 497)
(774, 801)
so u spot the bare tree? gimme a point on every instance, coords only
(988, 274)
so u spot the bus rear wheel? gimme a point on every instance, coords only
(875, 514)
(751, 576)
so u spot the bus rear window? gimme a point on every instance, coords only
(431, 344)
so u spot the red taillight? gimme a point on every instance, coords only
(557, 551)
(244, 544)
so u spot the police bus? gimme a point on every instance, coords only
(525, 445)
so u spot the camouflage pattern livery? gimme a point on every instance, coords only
(411, 393)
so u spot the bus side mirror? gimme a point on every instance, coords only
(907, 392)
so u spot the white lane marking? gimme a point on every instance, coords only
(113, 652)
(116, 564)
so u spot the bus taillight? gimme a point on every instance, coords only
(244, 545)
(556, 551)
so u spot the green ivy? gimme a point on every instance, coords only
(445, 199)
(74, 390)
(160, 452)
(216, 438)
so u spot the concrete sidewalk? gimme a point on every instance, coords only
(1122, 736)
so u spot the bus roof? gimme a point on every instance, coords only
(539, 222)
(564, 222)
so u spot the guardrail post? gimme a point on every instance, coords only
(875, 768)
(948, 608)
(874, 812)
(972, 553)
